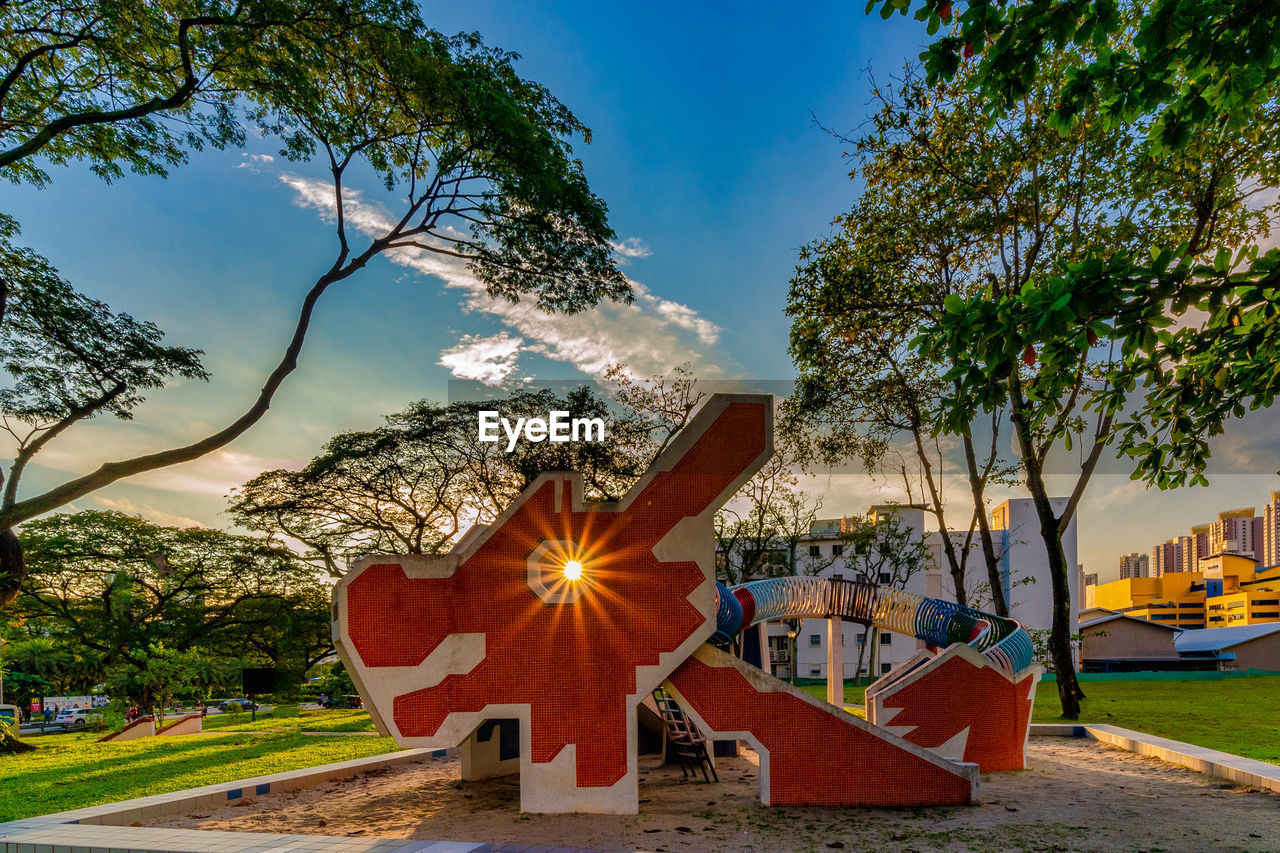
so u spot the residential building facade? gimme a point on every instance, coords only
(1024, 569)
(1135, 566)
(1271, 531)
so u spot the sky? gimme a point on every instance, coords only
(707, 149)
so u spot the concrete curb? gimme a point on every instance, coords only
(1056, 730)
(99, 829)
(1223, 765)
(1211, 762)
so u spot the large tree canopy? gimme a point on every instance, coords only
(414, 485)
(126, 84)
(1198, 82)
(1190, 64)
(104, 586)
(1182, 191)
(477, 160)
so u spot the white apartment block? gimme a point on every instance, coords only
(1023, 568)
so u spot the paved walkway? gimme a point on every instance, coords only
(43, 835)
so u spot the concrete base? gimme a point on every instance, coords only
(189, 724)
(146, 727)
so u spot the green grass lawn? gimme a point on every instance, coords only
(1237, 715)
(307, 721)
(852, 695)
(72, 771)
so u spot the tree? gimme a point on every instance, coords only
(479, 158)
(758, 532)
(133, 85)
(105, 586)
(165, 673)
(1086, 311)
(1205, 186)
(70, 358)
(882, 551)
(906, 242)
(1191, 64)
(416, 484)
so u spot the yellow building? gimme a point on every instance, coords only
(1228, 590)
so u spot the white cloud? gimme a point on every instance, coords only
(650, 336)
(486, 359)
(158, 516)
(253, 161)
(631, 248)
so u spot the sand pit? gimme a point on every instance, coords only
(1078, 795)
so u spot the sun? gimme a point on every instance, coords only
(573, 570)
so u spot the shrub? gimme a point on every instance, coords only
(113, 718)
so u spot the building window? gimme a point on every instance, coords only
(885, 667)
(1268, 614)
(815, 670)
(1258, 601)
(815, 550)
(815, 639)
(886, 638)
(861, 638)
(837, 550)
(885, 577)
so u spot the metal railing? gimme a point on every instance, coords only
(937, 622)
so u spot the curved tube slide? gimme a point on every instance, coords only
(937, 622)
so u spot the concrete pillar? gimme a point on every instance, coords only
(835, 662)
(766, 662)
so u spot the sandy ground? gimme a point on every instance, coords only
(1077, 795)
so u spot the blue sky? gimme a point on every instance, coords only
(706, 151)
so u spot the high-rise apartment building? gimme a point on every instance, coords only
(1198, 547)
(1166, 558)
(1271, 531)
(1234, 533)
(1134, 566)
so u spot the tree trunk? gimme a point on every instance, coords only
(1069, 693)
(978, 490)
(13, 568)
(935, 497)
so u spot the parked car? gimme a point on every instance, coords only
(238, 704)
(73, 719)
